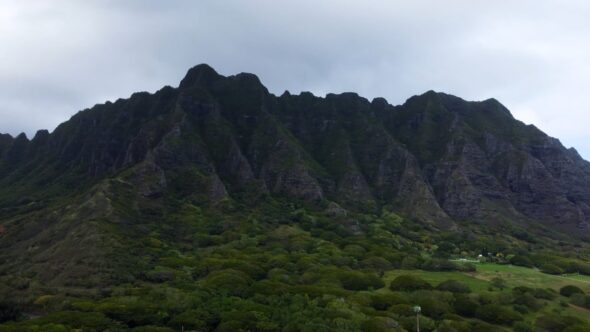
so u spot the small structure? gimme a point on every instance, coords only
(417, 310)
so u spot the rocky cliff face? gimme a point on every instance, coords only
(436, 158)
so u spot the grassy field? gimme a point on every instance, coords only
(514, 276)
(435, 278)
(522, 276)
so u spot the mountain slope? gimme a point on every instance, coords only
(218, 179)
(227, 140)
(437, 158)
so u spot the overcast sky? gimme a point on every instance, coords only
(58, 57)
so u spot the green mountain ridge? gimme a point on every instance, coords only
(340, 148)
(218, 183)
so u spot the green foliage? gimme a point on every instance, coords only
(434, 304)
(382, 301)
(402, 309)
(544, 294)
(193, 319)
(262, 270)
(231, 282)
(498, 283)
(426, 323)
(93, 321)
(465, 306)
(551, 269)
(409, 283)
(453, 286)
(527, 302)
(556, 322)
(497, 314)
(522, 260)
(581, 300)
(522, 327)
(380, 324)
(570, 290)
(360, 281)
(440, 265)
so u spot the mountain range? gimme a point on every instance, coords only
(219, 206)
(136, 190)
(436, 158)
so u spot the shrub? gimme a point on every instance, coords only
(521, 309)
(228, 281)
(453, 286)
(497, 314)
(439, 265)
(376, 263)
(522, 290)
(384, 301)
(158, 276)
(453, 326)
(408, 283)
(521, 260)
(522, 327)
(445, 249)
(483, 327)
(498, 283)
(551, 269)
(88, 320)
(544, 294)
(242, 320)
(466, 267)
(410, 262)
(555, 322)
(582, 268)
(378, 324)
(251, 269)
(581, 300)
(465, 306)
(426, 324)
(402, 309)
(131, 310)
(355, 251)
(528, 300)
(570, 290)
(197, 319)
(434, 304)
(353, 280)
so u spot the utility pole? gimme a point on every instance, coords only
(417, 310)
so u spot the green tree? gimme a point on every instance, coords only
(408, 283)
(570, 290)
(453, 286)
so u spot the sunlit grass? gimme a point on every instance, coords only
(523, 276)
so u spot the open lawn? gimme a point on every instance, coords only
(522, 276)
(513, 275)
(435, 278)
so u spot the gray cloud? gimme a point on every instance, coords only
(60, 57)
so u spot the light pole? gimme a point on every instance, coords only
(417, 310)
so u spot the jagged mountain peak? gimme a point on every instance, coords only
(437, 157)
(199, 74)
